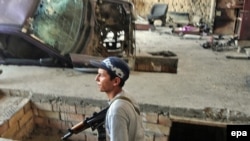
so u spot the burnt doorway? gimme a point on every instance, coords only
(193, 132)
(225, 18)
(244, 25)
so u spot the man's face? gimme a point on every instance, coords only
(103, 81)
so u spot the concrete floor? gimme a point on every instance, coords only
(205, 78)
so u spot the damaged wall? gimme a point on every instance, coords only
(202, 8)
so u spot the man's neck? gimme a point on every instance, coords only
(113, 93)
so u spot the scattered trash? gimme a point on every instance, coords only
(191, 36)
(244, 56)
(221, 43)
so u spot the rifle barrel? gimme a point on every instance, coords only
(66, 136)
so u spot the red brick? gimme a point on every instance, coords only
(80, 110)
(16, 117)
(25, 130)
(56, 124)
(42, 106)
(35, 111)
(165, 120)
(28, 116)
(71, 117)
(41, 121)
(3, 127)
(27, 107)
(150, 117)
(67, 108)
(49, 114)
(91, 137)
(79, 137)
(89, 110)
(11, 131)
(156, 129)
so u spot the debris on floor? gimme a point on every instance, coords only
(243, 53)
(220, 43)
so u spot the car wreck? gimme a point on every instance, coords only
(52, 32)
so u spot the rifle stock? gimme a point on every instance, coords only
(95, 122)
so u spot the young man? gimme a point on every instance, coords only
(123, 121)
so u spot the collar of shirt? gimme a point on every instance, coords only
(122, 93)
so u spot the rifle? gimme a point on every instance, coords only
(95, 122)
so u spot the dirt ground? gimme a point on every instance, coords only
(42, 134)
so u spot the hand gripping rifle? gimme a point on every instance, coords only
(95, 122)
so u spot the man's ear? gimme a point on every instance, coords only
(117, 81)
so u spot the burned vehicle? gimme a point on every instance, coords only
(50, 32)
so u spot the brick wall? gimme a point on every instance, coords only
(62, 113)
(20, 123)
